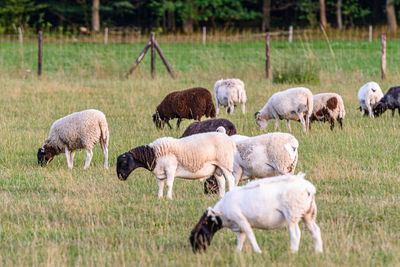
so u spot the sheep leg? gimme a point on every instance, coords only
(315, 232)
(237, 173)
(220, 182)
(72, 155)
(167, 122)
(340, 121)
(89, 155)
(332, 121)
(241, 237)
(231, 108)
(295, 235)
(229, 178)
(276, 123)
(105, 153)
(303, 123)
(393, 110)
(288, 125)
(69, 163)
(178, 123)
(245, 227)
(170, 183)
(371, 115)
(243, 107)
(398, 109)
(160, 183)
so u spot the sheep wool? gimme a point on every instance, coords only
(328, 107)
(229, 92)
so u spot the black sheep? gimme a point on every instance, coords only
(391, 100)
(210, 126)
(187, 104)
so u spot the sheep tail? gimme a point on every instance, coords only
(105, 135)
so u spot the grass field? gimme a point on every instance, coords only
(56, 216)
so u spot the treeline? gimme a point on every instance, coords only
(190, 15)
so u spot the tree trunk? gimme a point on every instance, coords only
(391, 15)
(95, 16)
(339, 14)
(188, 17)
(322, 13)
(266, 24)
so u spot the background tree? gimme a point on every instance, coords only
(391, 15)
(96, 15)
(322, 13)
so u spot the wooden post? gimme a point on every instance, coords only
(370, 33)
(383, 62)
(290, 33)
(20, 35)
(106, 35)
(140, 57)
(153, 59)
(204, 35)
(40, 53)
(164, 59)
(267, 55)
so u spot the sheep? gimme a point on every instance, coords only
(229, 92)
(193, 157)
(369, 94)
(79, 130)
(210, 125)
(187, 104)
(291, 104)
(263, 204)
(261, 156)
(328, 107)
(391, 100)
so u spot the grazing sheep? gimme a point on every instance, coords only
(328, 107)
(261, 156)
(391, 100)
(187, 104)
(291, 104)
(79, 130)
(229, 92)
(263, 204)
(210, 125)
(193, 157)
(369, 94)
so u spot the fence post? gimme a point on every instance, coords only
(40, 53)
(383, 61)
(290, 33)
(370, 33)
(20, 35)
(152, 55)
(204, 35)
(267, 55)
(106, 35)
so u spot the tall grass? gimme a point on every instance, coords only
(55, 216)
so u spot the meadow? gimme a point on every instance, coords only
(56, 216)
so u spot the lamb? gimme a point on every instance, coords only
(168, 158)
(229, 92)
(328, 107)
(263, 204)
(291, 104)
(369, 94)
(210, 125)
(187, 104)
(79, 130)
(261, 156)
(391, 100)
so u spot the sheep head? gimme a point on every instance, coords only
(260, 120)
(125, 165)
(45, 154)
(379, 108)
(202, 234)
(157, 120)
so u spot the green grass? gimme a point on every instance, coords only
(55, 216)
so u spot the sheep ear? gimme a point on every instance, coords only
(373, 90)
(256, 114)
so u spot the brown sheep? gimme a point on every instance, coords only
(187, 104)
(210, 126)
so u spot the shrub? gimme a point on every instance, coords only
(296, 72)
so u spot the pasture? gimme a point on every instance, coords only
(56, 216)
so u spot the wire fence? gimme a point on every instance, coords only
(109, 55)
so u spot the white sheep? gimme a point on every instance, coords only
(263, 204)
(193, 157)
(328, 107)
(229, 92)
(369, 94)
(261, 156)
(291, 104)
(79, 130)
